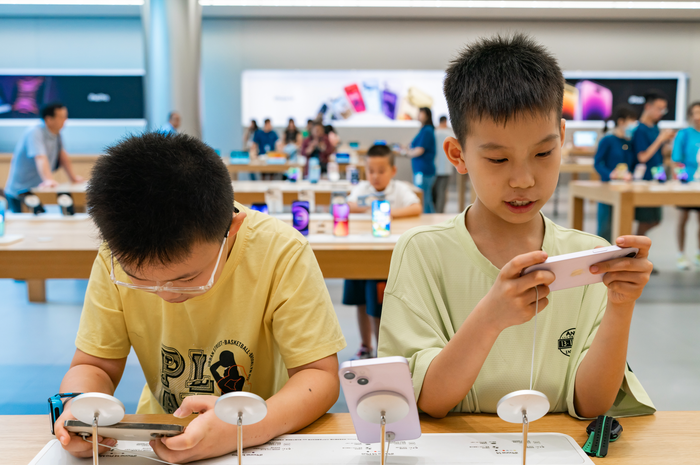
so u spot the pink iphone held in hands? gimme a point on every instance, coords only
(387, 377)
(573, 269)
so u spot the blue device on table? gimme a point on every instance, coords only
(314, 170)
(56, 406)
(240, 157)
(381, 218)
(300, 216)
(260, 207)
(342, 158)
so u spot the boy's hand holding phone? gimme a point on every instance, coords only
(511, 300)
(626, 277)
(73, 443)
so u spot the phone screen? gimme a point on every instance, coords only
(300, 216)
(260, 207)
(355, 97)
(381, 218)
(341, 215)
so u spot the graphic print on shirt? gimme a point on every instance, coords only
(229, 367)
(566, 341)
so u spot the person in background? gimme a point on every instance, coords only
(443, 169)
(368, 295)
(39, 153)
(333, 137)
(249, 134)
(614, 149)
(292, 135)
(307, 131)
(317, 145)
(173, 124)
(686, 150)
(266, 138)
(422, 151)
(648, 143)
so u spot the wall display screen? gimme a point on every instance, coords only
(392, 98)
(97, 97)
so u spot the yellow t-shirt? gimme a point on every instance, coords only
(436, 279)
(269, 311)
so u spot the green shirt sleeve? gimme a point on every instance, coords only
(632, 399)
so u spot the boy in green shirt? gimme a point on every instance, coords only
(456, 305)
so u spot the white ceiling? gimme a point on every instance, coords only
(445, 11)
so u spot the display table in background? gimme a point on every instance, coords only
(58, 247)
(663, 438)
(625, 197)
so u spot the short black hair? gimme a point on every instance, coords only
(501, 78)
(154, 195)
(381, 151)
(652, 95)
(267, 120)
(622, 111)
(50, 109)
(443, 119)
(171, 114)
(691, 106)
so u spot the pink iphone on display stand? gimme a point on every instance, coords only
(573, 269)
(362, 379)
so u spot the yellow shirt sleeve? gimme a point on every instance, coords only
(102, 332)
(303, 313)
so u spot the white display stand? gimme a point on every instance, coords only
(344, 449)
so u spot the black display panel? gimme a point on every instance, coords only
(86, 97)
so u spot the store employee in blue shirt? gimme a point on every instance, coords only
(648, 144)
(265, 138)
(686, 150)
(422, 151)
(614, 149)
(37, 155)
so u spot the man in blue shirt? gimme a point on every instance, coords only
(173, 124)
(647, 145)
(265, 138)
(39, 153)
(686, 150)
(423, 148)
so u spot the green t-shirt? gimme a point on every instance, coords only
(436, 279)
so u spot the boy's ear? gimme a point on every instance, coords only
(393, 171)
(562, 131)
(454, 153)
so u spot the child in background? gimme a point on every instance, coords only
(456, 305)
(648, 144)
(614, 149)
(368, 295)
(686, 150)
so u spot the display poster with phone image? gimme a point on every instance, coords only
(591, 98)
(392, 98)
(86, 97)
(341, 217)
(300, 216)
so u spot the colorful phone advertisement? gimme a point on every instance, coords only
(260, 207)
(300, 216)
(595, 100)
(381, 218)
(389, 104)
(341, 219)
(568, 112)
(355, 97)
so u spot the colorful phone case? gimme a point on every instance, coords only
(381, 374)
(381, 218)
(341, 216)
(300, 216)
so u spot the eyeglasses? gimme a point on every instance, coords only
(168, 287)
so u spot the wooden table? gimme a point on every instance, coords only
(625, 197)
(664, 438)
(245, 192)
(256, 166)
(82, 165)
(574, 169)
(57, 247)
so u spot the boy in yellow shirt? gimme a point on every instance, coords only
(456, 304)
(212, 296)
